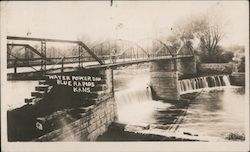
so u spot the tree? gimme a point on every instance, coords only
(209, 41)
(207, 31)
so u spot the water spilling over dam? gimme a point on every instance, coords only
(190, 85)
(198, 117)
(150, 98)
(135, 104)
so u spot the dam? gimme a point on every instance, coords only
(81, 100)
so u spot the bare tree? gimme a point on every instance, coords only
(206, 30)
(209, 42)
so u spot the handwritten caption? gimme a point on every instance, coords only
(78, 83)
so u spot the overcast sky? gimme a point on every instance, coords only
(125, 19)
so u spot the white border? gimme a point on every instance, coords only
(111, 146)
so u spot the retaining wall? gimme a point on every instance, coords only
(94, 121)
(79, 107)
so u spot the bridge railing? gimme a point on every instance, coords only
(85, 56)
(37, 61)
(124, 57)
(44, 61)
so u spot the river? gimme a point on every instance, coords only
(215, 112)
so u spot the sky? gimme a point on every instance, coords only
(130, 20)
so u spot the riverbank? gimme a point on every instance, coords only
(117, 132)
(214, 112)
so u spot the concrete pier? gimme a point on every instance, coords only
(164, 80)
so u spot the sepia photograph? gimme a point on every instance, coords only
(124, 76)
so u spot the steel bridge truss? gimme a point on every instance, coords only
(17, 61)
(106, 53)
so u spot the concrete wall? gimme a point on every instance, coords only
(164, 80)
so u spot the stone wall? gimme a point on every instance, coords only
(215, 68)
(79, 106)
(94, 122)
(164, 80)
(93, 118)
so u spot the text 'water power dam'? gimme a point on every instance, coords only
(161, 101)
(136, 107)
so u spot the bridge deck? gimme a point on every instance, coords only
(27, 67)
(131, 62)
(29, 72)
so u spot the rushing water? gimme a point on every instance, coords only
(216, 113)
(217, 110)
(190, 85)
(135, 104)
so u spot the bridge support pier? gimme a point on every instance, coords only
(164, 80)
(186, 66)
